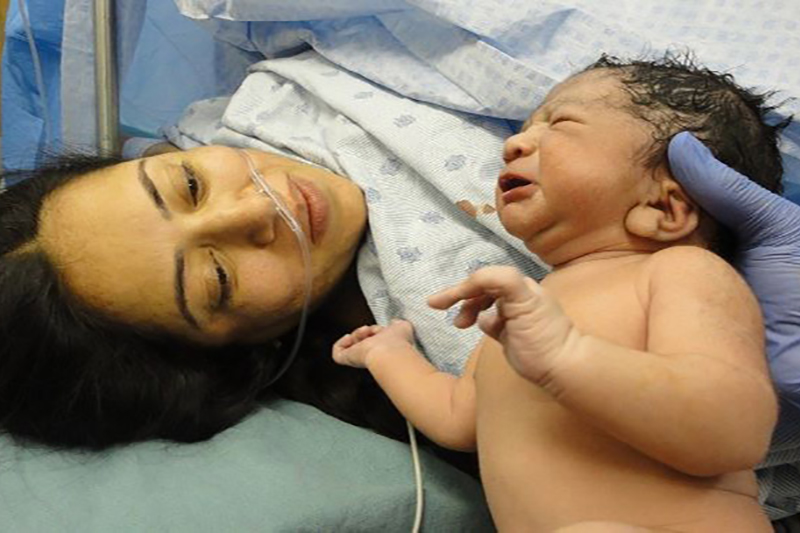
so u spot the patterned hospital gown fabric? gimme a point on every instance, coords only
(415, 163)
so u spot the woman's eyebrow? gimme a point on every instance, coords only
(152, 191)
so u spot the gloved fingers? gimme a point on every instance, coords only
(751, 211)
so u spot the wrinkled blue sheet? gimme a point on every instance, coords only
(166, 62)
(492, 57)
(23, 127)
(500, 57)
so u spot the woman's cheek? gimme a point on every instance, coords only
(276, 290)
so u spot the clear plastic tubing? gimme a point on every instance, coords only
(302, 241)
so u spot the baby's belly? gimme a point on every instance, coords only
(544, 468)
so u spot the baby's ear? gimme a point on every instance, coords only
(665, 212)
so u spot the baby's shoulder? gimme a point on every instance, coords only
(686, 259)
(692, 266)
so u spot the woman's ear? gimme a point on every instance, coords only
(665, 213)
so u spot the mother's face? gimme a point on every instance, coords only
(184, 242)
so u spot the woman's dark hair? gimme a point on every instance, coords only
(674, 94)
(71, 377)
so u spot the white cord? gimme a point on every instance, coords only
(417, 478)
(37, 67)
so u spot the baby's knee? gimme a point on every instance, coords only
(603, 527)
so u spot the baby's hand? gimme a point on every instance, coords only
(355, 348)
(529, 323)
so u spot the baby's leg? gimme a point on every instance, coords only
(605, 527)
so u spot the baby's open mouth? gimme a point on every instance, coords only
(515, 188)
(508, 182)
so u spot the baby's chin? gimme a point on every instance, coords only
(520, 229)
(531, 240)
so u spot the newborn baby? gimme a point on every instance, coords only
(628, 391)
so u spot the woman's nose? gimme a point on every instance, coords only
(251, 219)
(519, 145)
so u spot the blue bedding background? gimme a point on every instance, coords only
(166, 62)
(22, 126)
(492, 57)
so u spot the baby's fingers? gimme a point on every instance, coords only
(340, 347)
(346, 356)
(494, 281)
(470, 310)
(491, 325)
(349, 351)
(365, 332)
(351, 339)
(344, 342)
(469, 289)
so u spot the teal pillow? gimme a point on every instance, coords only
(287, 468)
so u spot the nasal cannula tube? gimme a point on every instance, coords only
(302, 241)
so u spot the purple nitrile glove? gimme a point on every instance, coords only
(768, 230)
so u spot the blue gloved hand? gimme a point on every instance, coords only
(768, 230)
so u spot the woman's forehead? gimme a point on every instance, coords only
(94, 214)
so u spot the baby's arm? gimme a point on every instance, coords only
(702, 397)
(698, 399)
(440, 405)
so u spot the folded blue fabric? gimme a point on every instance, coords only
(287, 468)
(500, 57)
(23, 128)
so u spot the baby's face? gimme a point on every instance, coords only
(574, 170)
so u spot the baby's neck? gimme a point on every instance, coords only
(602, 258)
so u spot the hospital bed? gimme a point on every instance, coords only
(258, 476)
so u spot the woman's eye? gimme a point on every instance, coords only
(192, 183)
(224, 284)
(559, 120)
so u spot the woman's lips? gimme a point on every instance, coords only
(318, 208)
(301, 215)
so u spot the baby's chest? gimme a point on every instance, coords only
(610, 309)
(607, 307)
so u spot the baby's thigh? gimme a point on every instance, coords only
(604, 527)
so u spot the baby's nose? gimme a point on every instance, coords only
(516, 146)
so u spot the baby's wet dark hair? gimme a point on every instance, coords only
(739, 125)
